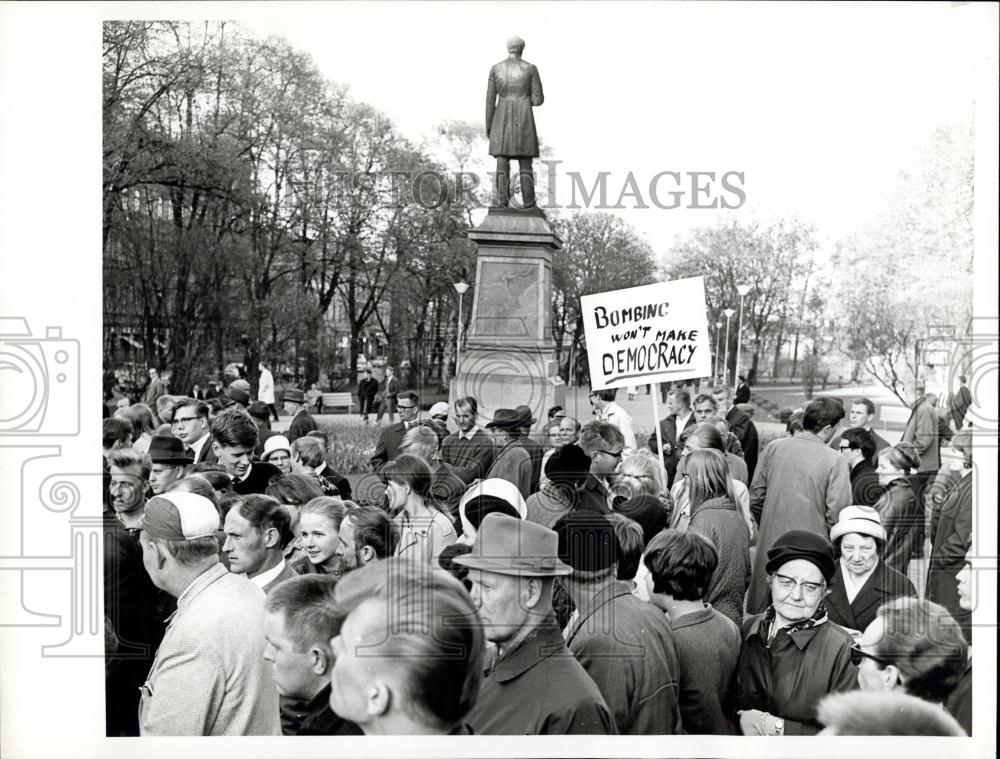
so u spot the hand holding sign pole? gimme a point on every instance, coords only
(652, 333)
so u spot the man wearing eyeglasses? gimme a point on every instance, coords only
(190, 424)
(861, 416)
(604, 444)
(390, 438)
(857, 446)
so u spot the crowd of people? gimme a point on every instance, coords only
(485, 580)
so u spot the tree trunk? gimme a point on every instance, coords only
(795, 356)
(777, 349)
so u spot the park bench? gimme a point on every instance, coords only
(337, 400)
(893, 415)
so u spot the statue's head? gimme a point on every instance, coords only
(515, 45)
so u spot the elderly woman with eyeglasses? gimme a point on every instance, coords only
(862, 582)
(792, 654)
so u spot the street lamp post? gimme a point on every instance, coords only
(725, 367)
(742, 290)
(715, 367)
(461, 288)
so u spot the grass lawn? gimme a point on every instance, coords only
(355, 442)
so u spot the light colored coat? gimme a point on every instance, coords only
(800, 484)
(209, 676)
(265, 387)
(616, 415)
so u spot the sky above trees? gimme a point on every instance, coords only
(818, 105)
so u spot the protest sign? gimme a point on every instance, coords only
(653, 333)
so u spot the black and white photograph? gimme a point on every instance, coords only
(622, 372)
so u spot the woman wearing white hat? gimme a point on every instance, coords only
(278, 451)
(484, 497)
(862, 582)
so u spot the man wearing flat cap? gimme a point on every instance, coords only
(534, 686)
(209, 676)
(512, 462)
(625, 644)
(302, 421)
(236, 396)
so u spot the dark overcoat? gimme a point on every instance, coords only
(628, 649)
(884, 584)
(539, 688)
(788, 678)
(513, 88)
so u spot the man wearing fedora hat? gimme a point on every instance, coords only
(302, 421)
(625, 644)
(534, 686)
(168, 457)
(512, 462)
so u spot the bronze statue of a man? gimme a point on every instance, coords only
(514, 87)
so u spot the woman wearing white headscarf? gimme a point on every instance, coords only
(484, 497)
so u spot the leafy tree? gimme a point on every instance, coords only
(600, 252)
(911, 268)
(767, 258)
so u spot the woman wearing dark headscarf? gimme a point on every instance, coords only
(901, 514)
(565, 471)
(792, 654)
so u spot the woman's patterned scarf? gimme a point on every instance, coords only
(803, 624)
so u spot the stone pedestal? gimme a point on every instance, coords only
(509, 356)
